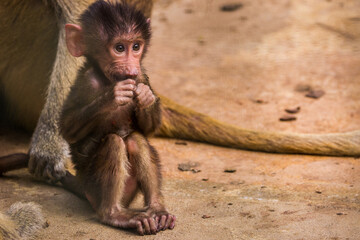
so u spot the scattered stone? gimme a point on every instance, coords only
(287, 212)
(230, 204)
(340, 213)
(318, 192)
(315, 94)
(206, 216)
(259, 101)
(230, 170)
(195, 170)
(247, 215)
(310, 91)
(189, 166)
(181, 143)
(230, 7)
(287, 118)
(292, 110)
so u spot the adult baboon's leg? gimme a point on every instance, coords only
(48, 150)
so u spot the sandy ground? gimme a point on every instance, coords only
(241, 67)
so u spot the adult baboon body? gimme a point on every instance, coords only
(35, 65)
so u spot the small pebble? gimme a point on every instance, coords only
(315, 94)
(231, 7)
(189, 166)
(292, 110)
(287, 118)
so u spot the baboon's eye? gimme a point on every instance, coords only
(119, 48)
(136, 47)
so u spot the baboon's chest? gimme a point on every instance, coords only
(121, 121)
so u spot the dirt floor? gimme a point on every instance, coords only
(241, 67)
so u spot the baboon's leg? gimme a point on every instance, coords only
(48, 150)
(145, 160)
(105, 187)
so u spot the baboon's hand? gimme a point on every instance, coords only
(145, 97)
(48, 154)
(124, 92)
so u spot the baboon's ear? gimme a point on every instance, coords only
(74, 40)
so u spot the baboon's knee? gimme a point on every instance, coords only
(137, 144)
(113, 141)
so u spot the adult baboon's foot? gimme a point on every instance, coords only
(48, 154)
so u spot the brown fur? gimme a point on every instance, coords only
(184, 123)
(109, 111)
(25, 21)
(21, 221)
(41, 24)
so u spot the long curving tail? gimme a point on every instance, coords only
(183, 123)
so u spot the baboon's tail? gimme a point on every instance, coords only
(183, 123)
(13, 162)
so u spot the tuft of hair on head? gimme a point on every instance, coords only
(113, 19)
(27, 217)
